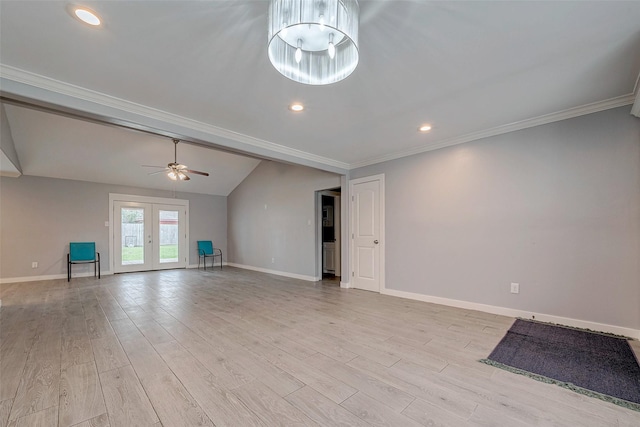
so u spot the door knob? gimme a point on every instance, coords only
(375, 241)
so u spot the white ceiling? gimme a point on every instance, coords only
(471, 69)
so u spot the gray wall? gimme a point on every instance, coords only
(282, 230)
(40, 216)
(555, 208)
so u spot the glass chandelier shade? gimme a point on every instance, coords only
(314, 42)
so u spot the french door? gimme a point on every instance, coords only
(149, 236)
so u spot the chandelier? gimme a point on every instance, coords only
(314, 42)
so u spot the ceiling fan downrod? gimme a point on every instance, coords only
(175, 150)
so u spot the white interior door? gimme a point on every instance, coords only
(367, 234)
(149, 236)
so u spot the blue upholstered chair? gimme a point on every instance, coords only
(206, 250)
(83, 253)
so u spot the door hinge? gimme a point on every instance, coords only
(353, 274)
(353, 198)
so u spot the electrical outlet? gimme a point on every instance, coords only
(34, 264)
(515, 288)
(273, 260)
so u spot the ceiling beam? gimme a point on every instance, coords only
(21, 86)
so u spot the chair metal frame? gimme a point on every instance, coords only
(81, 252)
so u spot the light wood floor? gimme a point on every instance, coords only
(239, 348)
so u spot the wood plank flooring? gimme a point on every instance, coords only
(238, 348)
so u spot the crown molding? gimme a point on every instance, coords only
(79, 93)
(570, 113)
(58, 87)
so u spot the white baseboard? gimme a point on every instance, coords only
(345, 285)
(49, 277)
(510, 312)
(276, 272)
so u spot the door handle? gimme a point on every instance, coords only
(375, 241)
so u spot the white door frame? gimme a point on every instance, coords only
(382, 244)
(115, 197)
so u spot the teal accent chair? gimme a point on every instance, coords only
(206, 250)
(83, 253)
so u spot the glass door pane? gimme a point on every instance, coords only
(133, 242)
(168, 235)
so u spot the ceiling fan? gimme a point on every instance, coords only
(176, 171)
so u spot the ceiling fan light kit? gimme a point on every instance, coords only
(176, 175)
(314, 42)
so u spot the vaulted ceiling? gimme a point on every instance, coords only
(56, 146)
(199, 71)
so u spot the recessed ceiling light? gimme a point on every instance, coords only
(424, 128)
(87, 16)
(297, 107)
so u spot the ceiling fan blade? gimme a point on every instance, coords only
(153, 166)
(157, 172)
(196, 172)
(186, 177)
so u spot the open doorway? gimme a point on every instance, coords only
(328, 232)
